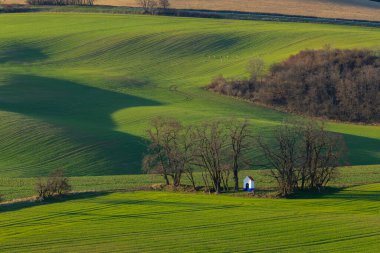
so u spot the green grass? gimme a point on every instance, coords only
(347, 221)
(77, 90)
(16, 188)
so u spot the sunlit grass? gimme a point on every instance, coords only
(347, 221)
(77, 90)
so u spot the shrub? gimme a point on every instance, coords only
(55, 185)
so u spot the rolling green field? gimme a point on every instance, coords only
(347, 221)
(77, 90)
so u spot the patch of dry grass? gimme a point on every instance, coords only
(346, 9)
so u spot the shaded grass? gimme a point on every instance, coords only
(80, 93)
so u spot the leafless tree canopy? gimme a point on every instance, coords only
(55, 185)
(169, 152)
(281, 154)
(333, 83)
(216, 148)
(303, 156)
(164, 4)
(149, 6)
(210, 153)
(240, 144)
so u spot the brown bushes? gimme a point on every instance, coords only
(333, 83)
(55, 185)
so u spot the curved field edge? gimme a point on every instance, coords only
(77, 90)
(347, 221)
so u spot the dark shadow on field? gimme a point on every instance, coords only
(340, 193)
(153, 209)
(83, 115)
(29, 203)
(21, 53)
(186, 44)
(362, 150)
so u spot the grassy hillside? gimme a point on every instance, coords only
(347, 221)
(77, 90)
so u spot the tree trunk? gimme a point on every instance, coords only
(166, 179)
(236, 179)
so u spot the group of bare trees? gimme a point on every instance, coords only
(152, 6)
(214, 148)
(61, 2)
(333, 83)
(302, 155)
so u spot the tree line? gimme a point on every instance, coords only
(301, 155)
(152, 6)
(333, 83)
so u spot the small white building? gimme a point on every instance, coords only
(249, 184)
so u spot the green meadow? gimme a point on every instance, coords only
(21, 188)
(346, 221)
(77, 90)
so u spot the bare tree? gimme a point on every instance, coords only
(188, 154)
(152, 6)
(149, 6)
(238, 136)
(320, 155)
(170, 151)
(282, 156)
(210, 152)
(163, 149)
(303, 156)
(164, 4)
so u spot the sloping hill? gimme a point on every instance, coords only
(77, 90)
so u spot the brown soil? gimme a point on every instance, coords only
(345, 9)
